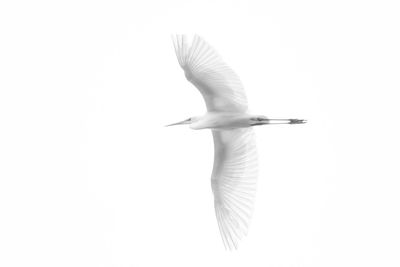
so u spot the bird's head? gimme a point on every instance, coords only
(187, 121)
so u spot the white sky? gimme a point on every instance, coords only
(90, 177)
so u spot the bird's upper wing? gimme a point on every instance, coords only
(217, 82)
(233, 182)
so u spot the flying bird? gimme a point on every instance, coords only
(234, 174)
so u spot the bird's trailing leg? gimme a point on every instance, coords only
(263, 121)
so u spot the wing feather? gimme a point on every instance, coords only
(221, 88)
(233, 182)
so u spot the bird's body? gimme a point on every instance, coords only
(234, 174)
(221, 121)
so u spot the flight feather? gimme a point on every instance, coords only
(234, 181)
(221, 88)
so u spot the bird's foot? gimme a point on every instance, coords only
(296, 121)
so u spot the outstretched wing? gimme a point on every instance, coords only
(233, 182)
(218, 83)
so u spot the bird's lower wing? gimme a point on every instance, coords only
(233, 182)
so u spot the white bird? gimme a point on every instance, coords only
(234, 174)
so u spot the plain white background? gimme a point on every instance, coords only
(90, 177)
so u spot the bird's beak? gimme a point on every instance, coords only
(179, 123)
